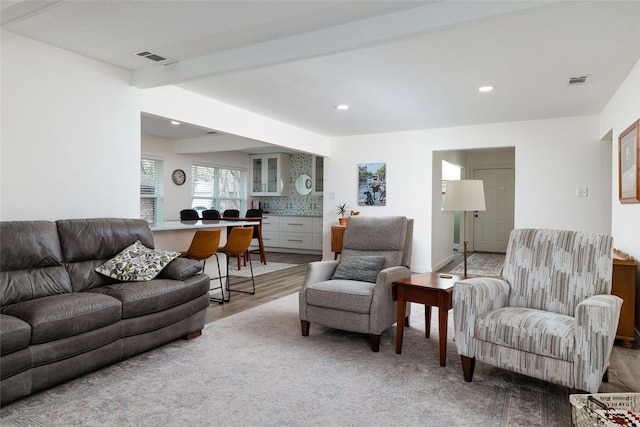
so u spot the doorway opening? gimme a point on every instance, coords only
(452, 172)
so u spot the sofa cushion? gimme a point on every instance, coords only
(345, 295)
(364, 268)
(137, 263)
(15, 334)
(141, 298)
(88, 243)
(30, 261)
(180, 269)
(59, 316)
(529, 330)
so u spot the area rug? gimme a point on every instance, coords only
(258, 268)
(256, 369)
(481, 264)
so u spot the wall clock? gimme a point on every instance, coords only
(178, 177)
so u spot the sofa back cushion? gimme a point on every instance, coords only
(554, 270)
(31, 263)
(377, 236)
(88, 243)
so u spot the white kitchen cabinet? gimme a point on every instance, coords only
(269, 174)
(292, 233)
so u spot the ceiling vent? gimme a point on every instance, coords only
(154, 57)
(577, 80)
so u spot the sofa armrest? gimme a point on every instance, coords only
(472, 298)
(181, 269)
(596, 324)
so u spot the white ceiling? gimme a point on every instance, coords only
(400, 65)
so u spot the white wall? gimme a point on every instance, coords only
(70, 132)
(182, 105)
(622, 110)
(553, 157)
(178, 197)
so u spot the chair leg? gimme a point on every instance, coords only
(468, 364)
(219, 300)
(253, 282)
(305, 327)
(375, 342)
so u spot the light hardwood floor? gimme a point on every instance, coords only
(269, 286)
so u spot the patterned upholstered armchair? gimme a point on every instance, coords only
(550, 316)
(354, 294)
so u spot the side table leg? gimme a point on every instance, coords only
(401, 308)
(427, 320)
(443, 315)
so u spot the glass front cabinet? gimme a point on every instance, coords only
(269, 174)
(317, 174)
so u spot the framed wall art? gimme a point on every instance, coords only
(372, 184)
(628, 167)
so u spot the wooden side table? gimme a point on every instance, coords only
(337, 235)
(430, 289)
(624, 286)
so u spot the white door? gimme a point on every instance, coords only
(491, 228)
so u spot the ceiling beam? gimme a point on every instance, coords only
(433, 17)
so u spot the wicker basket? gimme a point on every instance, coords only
(605, 409)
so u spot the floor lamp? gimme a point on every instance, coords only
(464, 195)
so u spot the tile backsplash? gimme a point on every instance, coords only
(294, 203)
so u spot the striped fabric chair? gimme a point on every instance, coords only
(550, 316)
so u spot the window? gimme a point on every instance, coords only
(151, 191)
(219, 187)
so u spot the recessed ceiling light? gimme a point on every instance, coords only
(485, 88)
(175, 122)
(342, 107)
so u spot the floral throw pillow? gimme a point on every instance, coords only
(137, 263)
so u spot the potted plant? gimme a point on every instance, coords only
(342, 211)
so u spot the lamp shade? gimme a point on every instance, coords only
(464, 195)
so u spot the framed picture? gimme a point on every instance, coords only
(372, 184)
(628, 169)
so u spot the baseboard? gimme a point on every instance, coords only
(441, 264)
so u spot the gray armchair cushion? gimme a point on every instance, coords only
(379, 236)
(364, 268)
(345, 295)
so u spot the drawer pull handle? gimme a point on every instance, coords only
(294, 240)
(293, 223)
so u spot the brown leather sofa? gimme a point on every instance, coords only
(60, 319)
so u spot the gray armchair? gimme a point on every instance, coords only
(354, 294)
(550, 316)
